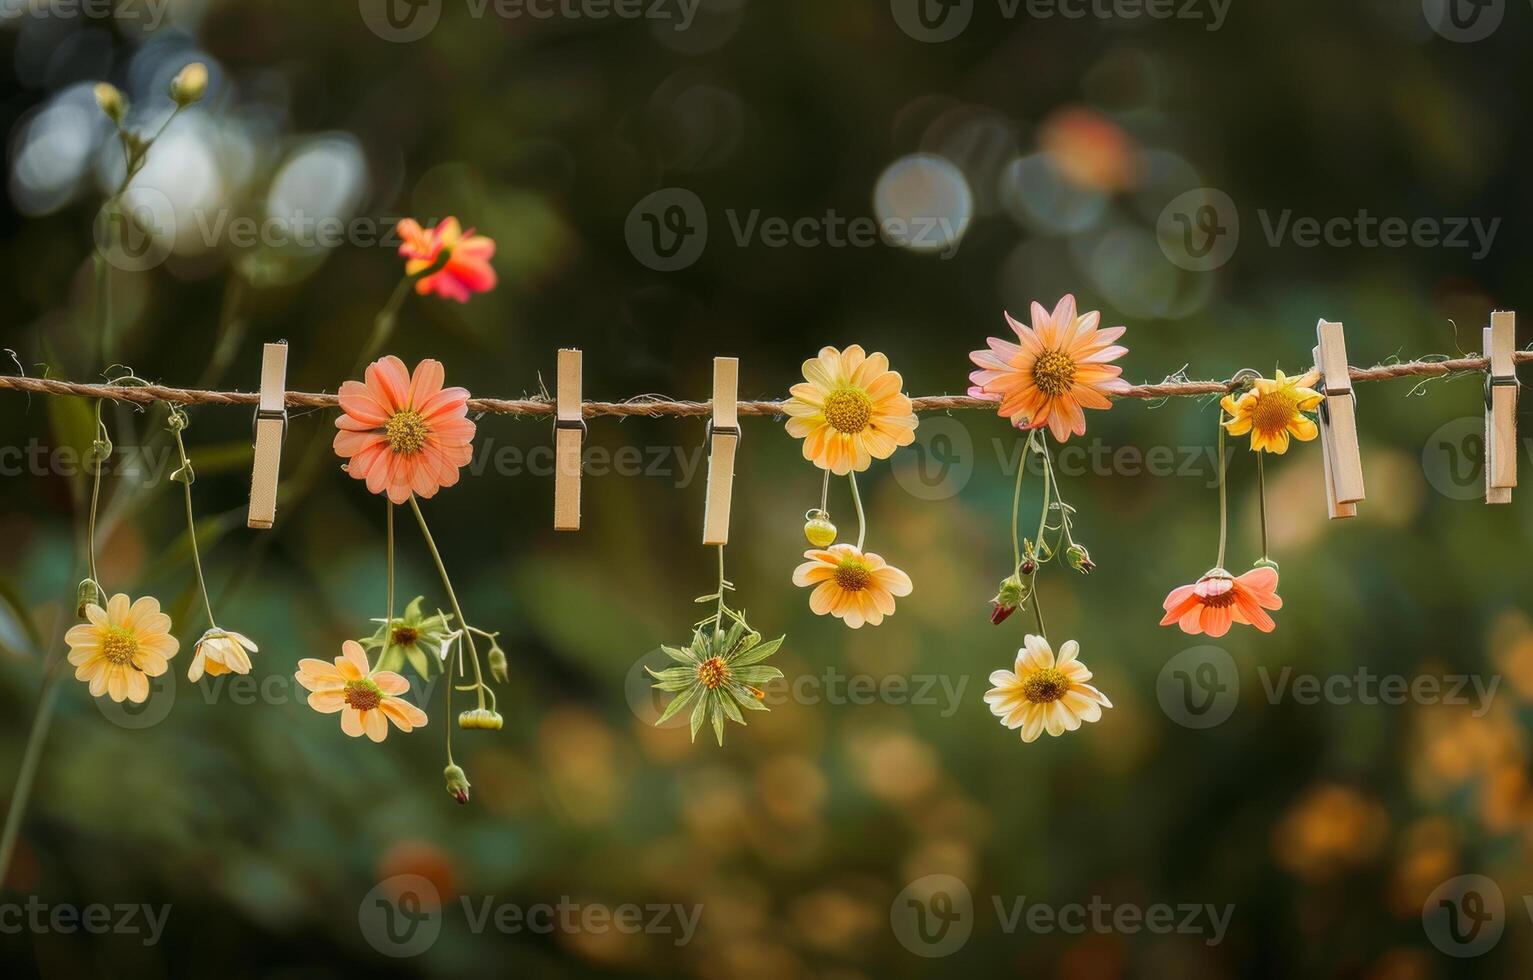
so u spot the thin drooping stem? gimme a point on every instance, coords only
(452, 596)
(825, 494)
(191, 527)
(1042, 448)
(389, 615)
(1016, 508)
(718, 616)
(1261, 496)
(862, 524)
(1223, 502)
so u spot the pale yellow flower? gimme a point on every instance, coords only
(121, 647)
(221, 652)
(1043, 694)
(854, 586)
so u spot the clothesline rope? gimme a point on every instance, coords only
(657, 407)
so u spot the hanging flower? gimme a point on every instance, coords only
(121, 647)
(1273, 410)
(1044, 695)
(467, 269)
(221, 651)
(1216, 600)
(719, 674)
(854, 586)
(1059, 367)
(414, 638)
(849, 410)
(404, 433)
(367, 699)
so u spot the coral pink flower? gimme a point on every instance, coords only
(1216, 600)
(367, 699)
(1059, 367)
(404, 433)
(467, 269)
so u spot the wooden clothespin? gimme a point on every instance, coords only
(270, 431)
(723, 441)
(1500, 408)
(1338, 424)
(569, 434)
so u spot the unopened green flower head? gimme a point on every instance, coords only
(457, 783)
(481, 719)
(112, 102)
(190, 84)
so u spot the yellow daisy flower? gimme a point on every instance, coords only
(854, 586)
(849, 410)
(121, 647)
(1043, 694)
(1273, 410)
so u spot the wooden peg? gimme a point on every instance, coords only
(1338, 424)
(270, 431)
(723, 441)
(1500, 408)
(569, 434)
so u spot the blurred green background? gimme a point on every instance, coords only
(1044, 151)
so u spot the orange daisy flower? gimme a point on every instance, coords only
(367, 700)
(849, 410)
(404, 433)
(1216, 600)
(1059, 367)
(854, 586)
(467, 269)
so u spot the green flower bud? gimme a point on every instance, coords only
(498, 668)
(481, 719)
(1080, 559)
(457, 783)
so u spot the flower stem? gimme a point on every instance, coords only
(1261, 487)
(191, 525)
(441, 568)
(718, 616)
(1042, 448)
(389, 618)
(1223, 502)
(1016, 508)
(862, 524)
(825, 494)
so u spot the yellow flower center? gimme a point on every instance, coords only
(853, 576)
(406, 432)
(1045, 686)
(848, 410)
(1054, 373)
(118, 645)
(1273, 411)
(713, 672)
(363, 695)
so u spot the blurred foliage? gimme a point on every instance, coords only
(265, 828)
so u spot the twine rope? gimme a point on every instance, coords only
(654, 406)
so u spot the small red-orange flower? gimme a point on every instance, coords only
(404, 433)
(1217, 599)
(1060, 366)
(467, 269)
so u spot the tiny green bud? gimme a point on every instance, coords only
(481, 719)
(88, 594)
(498, 668)
(112, 102)
(1008, 598)
(457, 783)
(1080, 559)
(190, 84)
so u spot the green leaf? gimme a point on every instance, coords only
(730, 708)
(680, 656)
(698, 713)
(746, 699)
(674, 678)
(757, 675)
(718, 721)
(756, 654)
(677, 703)
(418, 660)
